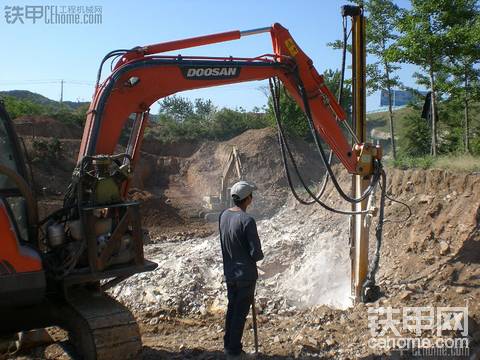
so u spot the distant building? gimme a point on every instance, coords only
(400, 97)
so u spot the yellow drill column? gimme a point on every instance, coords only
(359, 231)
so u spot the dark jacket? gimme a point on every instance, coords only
(241, 247)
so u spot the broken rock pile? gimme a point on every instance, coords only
(306, 263)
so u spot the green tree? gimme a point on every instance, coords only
(181, 119)
(23, 107)
(424, 41)
(382, 16)
(176, 108)
(18, 107)
(414, 136)
(228, 123)
(451, 140)
(463, 57)
(68, 115)
(293, 116)
(204, 107)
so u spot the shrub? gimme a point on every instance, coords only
(45, 149)
(414, 137)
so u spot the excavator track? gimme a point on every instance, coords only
(100, 328)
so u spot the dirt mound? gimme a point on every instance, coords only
(261, 161)
(44, 126)
(52, 173)
(177, 149)
(434, 255)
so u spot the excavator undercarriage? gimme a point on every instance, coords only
(99, 327)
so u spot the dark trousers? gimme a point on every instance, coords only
(240, 296)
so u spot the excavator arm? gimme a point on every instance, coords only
(232, 167)
(142, 76)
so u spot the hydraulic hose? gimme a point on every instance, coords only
(325, 176)
(400, 203)
(344, 59)
(376, 174)
(285, 150)
(370, 280)
(105, 58)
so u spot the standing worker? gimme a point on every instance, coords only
(241, 249)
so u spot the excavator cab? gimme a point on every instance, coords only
(22, 279)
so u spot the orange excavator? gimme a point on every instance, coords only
(55, 271)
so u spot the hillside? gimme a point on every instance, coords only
(380, 120)
(40, 99)
(378, 126)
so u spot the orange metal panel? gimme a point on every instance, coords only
(10, 249)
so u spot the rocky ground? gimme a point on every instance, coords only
(305, 311)
(430, 260)
(303, 293)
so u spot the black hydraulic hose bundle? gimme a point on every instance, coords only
(376, 174)
(370, 280)
(276, 97)
(115, 54)
(285, 150)
(344, 59)
(339, 99)
(286, 153)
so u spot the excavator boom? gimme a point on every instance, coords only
(143, 75)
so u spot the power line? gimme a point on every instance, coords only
(47, 82)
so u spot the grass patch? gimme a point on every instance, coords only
(407, 162)
(462, 162)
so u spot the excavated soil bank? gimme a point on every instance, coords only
(429, 260)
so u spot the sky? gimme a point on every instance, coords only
(38, 56)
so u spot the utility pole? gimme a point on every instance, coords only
(61, 92)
